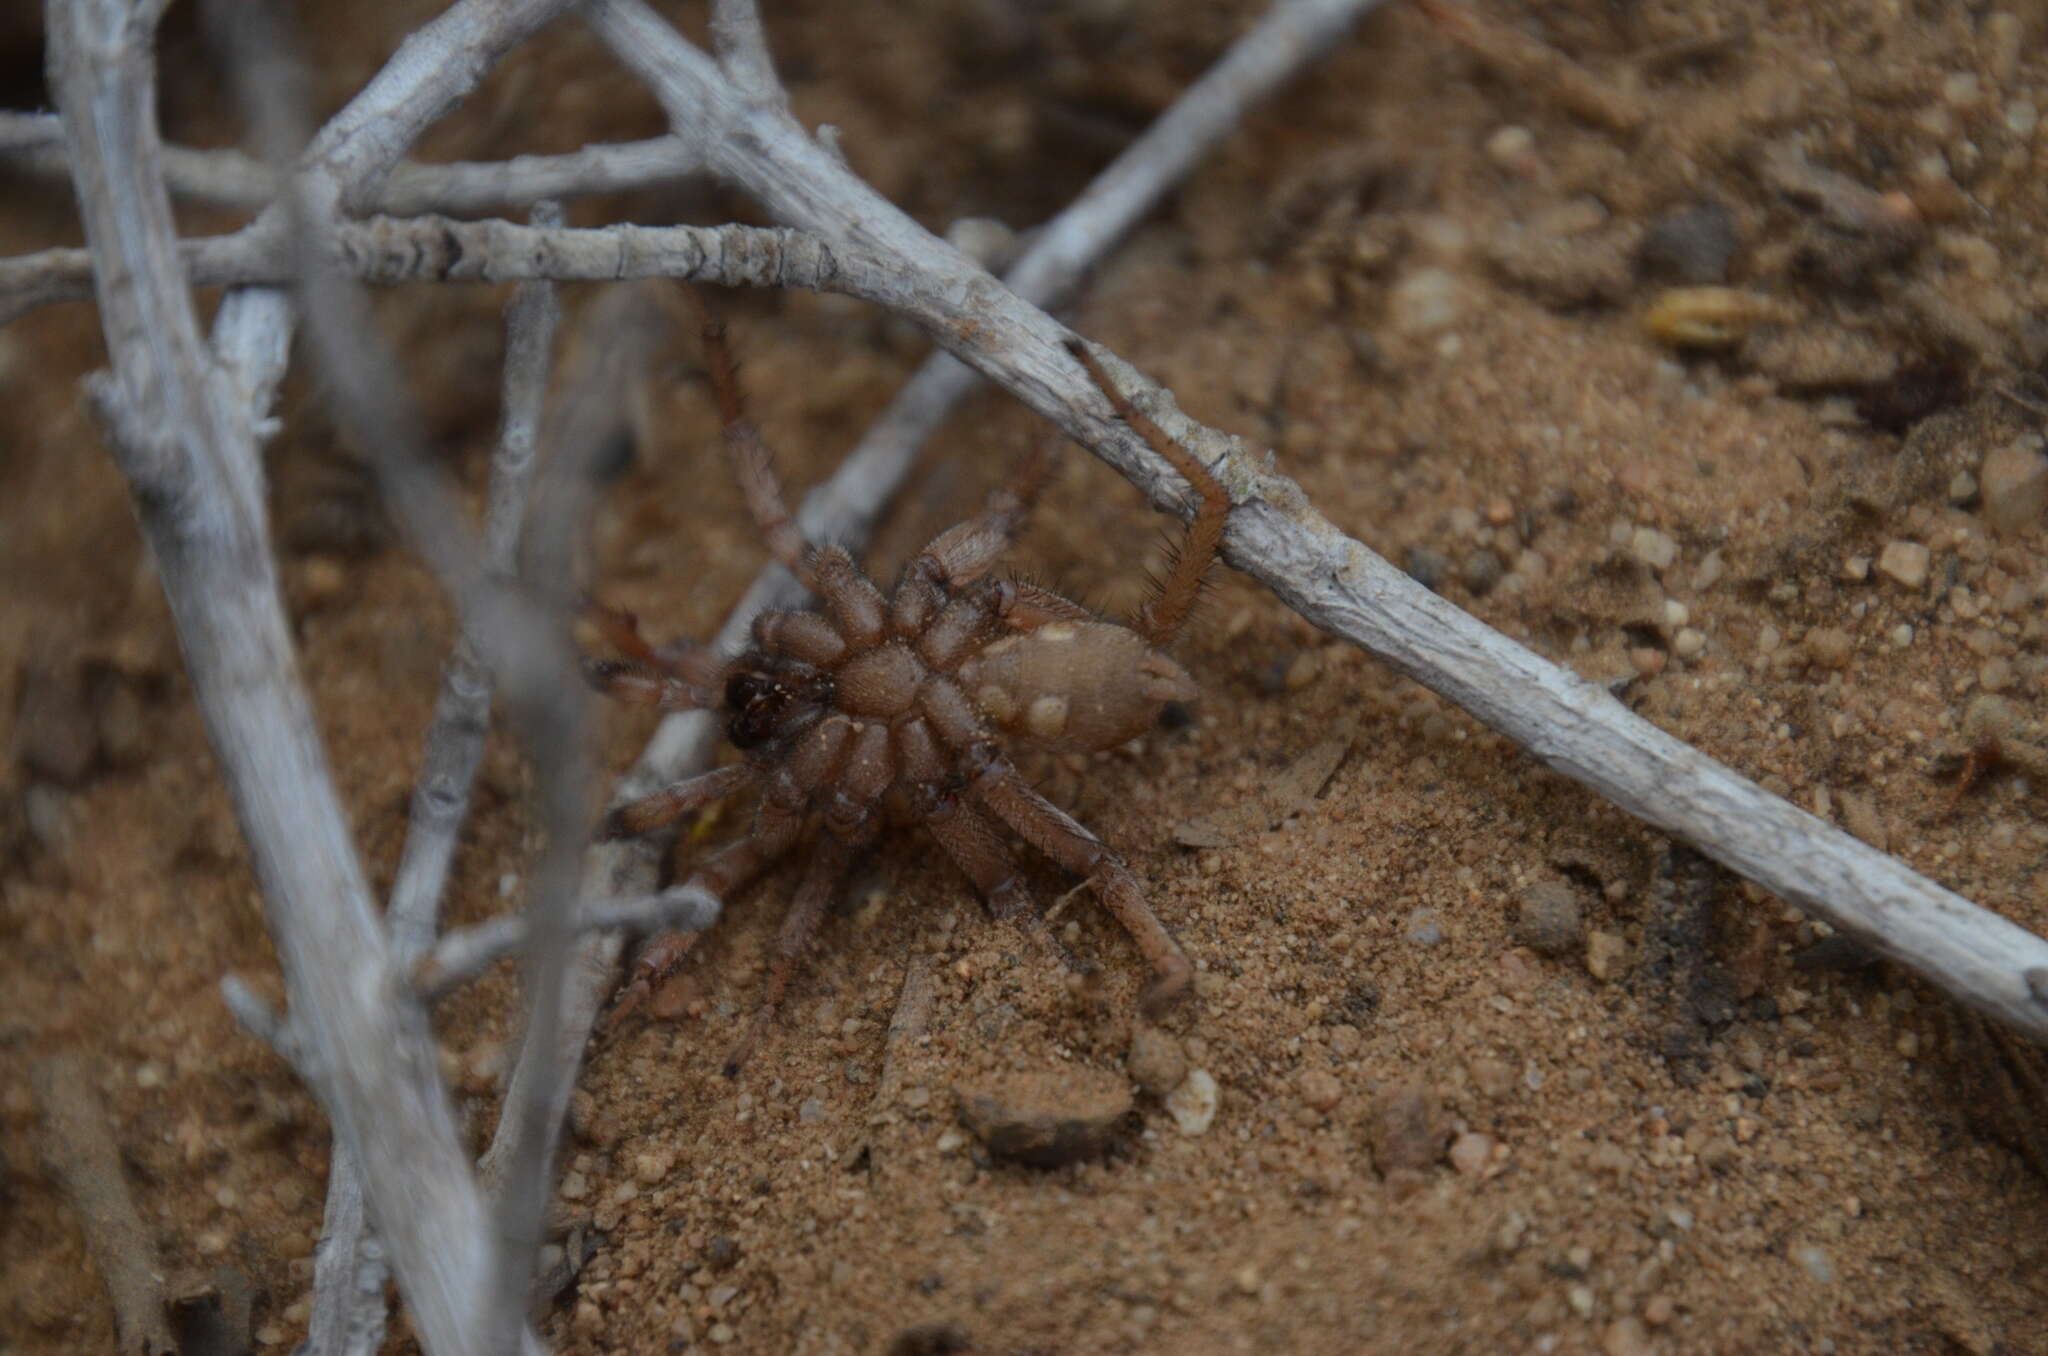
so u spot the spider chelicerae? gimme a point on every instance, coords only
(879, 709)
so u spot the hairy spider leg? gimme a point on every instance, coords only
(830, 859)
(1005, 793)
(1159, 620)
(693, 664)
(996, 784)
(730, 870)
(675, 800)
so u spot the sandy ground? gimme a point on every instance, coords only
(1496, 1067)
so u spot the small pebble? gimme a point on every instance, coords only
(720, 1253)
(1424, 929)
(1689, 644)
(55, 726)
(1962, 488)
(1405, 1133)
(1860, 817)
(1655, 549)
(1692, 247)
(1193, 1104)
(1511, 147)
(1548, 919)
(1829, 647)
(1607, 956)
(1426, 566)
(1156, 1061)
(1306, 668)
(1816, 1262)
(1904, 563)
(721, 1333)
(1320, 1089)
(1626, 1337)
(1659, 1310)
(1494, 1078)
(653, 1168)
(1471, 1152)
(2014, 483)
(1481, 571)
(1424, 302)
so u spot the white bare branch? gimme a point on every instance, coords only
(442, 249)
(433, 69)
(461, 956)
(230, 178)
(179, 428)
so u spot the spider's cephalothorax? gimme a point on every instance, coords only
(879, 708)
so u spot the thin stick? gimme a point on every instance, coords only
(388, 250)
(348, 1286)
(1276, 536)
(229, 178)
(433, 69)
(524, 644)
(78, 1144)
(455, 740)
(906, 1024)
(461, 956)
(178, 431)
(741, 44)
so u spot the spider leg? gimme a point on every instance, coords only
(620, 629)
(728, 872)
(966, 551)
(752, 464)
(830, 859)
(637, 684)
(675, 800)
(966, 835)
(1158, 620)
(1002, 790)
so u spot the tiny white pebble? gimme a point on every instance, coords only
(1193, 1103)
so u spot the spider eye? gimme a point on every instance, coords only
(746, 690)
(756, 703)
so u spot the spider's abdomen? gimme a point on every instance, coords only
(1078, 686)
(881, 683)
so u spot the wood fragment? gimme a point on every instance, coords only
(913, 1012)
(78, 1144)
(1527, 62)
(1289, 793)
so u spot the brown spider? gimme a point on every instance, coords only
(896, 707)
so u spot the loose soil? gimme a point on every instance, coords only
(1498, 1068)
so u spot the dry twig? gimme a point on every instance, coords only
(525, 645)
(79, 1147)
(441, 249)
(462, 956)
(181, 435)
(229, 178)
(348, 1277)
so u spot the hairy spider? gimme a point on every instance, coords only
(895, 708)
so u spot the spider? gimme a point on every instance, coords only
(896, 708)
